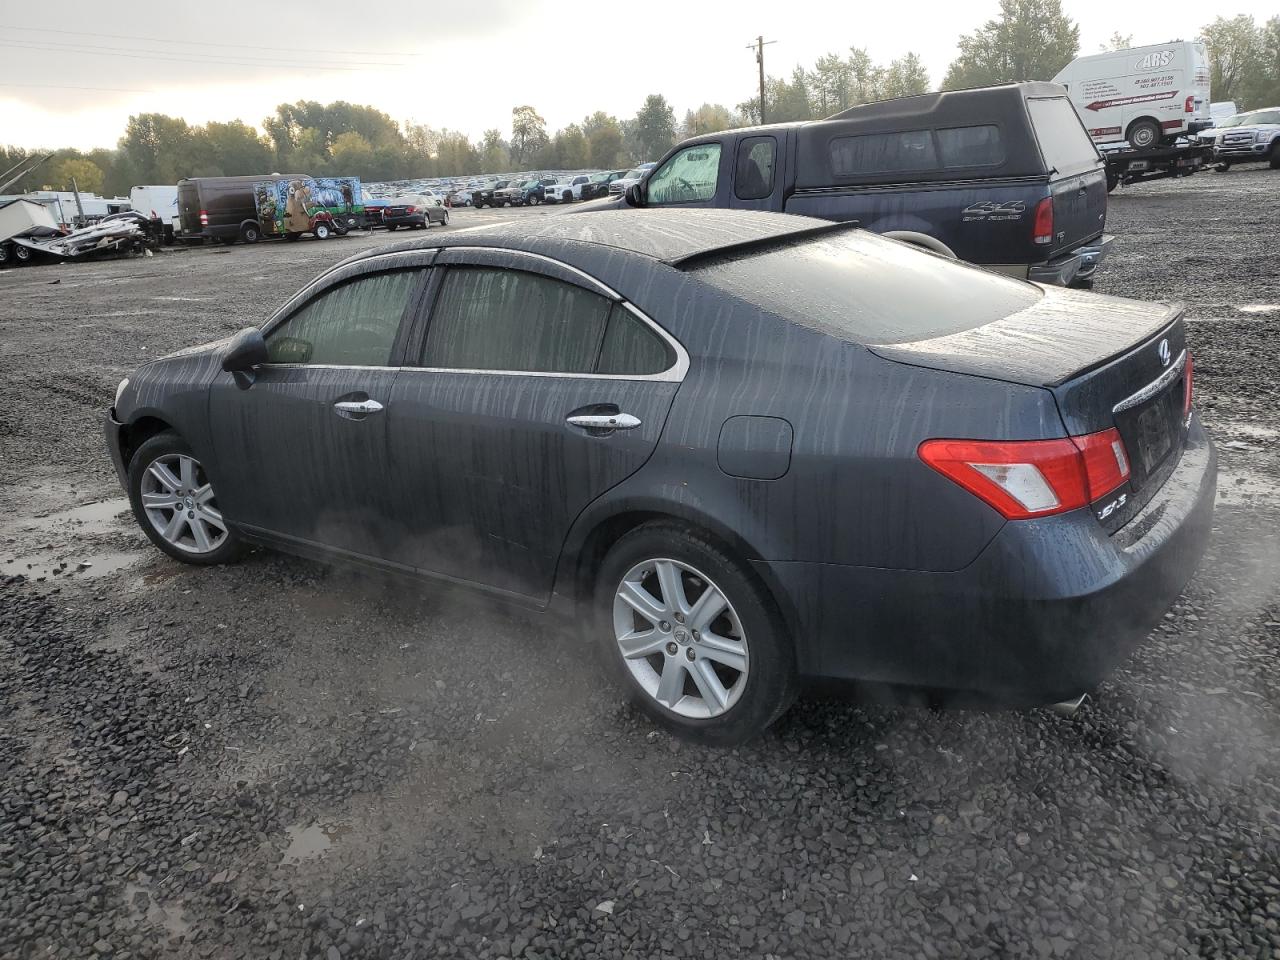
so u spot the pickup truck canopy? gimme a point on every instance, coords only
(932, 137)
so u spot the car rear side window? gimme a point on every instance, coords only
(491, 319)
(754, 177)
(862, 288)
(1064, 143)
(630, 348)
(971, 146)
(883, 153)
(351, 325)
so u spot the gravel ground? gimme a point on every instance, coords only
(279, 759)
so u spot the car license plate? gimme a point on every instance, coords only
(1140, 165)
(1154, 438)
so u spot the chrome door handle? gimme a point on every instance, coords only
(357, 408)
(604, 421)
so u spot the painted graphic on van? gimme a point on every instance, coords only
(294, 206)
(1123, 101)
(1154, 60)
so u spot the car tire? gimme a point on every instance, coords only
(250, 233)
(392, 226)
(1275, 156)
(1143, 134)
(1222, 166)
(293, 235)
(444, 221)
(321, 231)
(5, 253)
(744, 646)
(22, 254)
(182, 541)
(567, 197)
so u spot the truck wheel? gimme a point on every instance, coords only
(321, 231)
(1143, 134)
(1275, 156)
(5, 254)
(250, 233)
(1113, 181)
(1222, 166)
(21, 254)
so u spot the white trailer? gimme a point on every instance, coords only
(157, 201)
(1143, 95)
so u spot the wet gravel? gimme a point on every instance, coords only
(279, 759)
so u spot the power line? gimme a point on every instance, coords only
(112, 52)
(194, 57)
(205, 43)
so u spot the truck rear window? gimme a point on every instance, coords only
(916, 150)
(1064, 143)
(860, 287)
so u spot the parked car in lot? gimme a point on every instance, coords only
(414, 211)
(533, 192)
(598, 185)
(876, 463)
(224, 209)
(1005, 177)
(1252, 137)
(512, 193)
(484, 196)
(568, 190)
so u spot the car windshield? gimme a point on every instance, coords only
(863, 288)
(1237, 120)
(1265, 116)
(634, 174)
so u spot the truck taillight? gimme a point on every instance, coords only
(204, 218)
(1191, 105)
(1042, 231)
(1187, 377)
(1033, 478)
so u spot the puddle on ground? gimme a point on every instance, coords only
(1258, 307)
(58, 564)
(313, 841)
(1247, 489)
(97, 517)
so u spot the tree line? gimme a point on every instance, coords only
(1030, 39)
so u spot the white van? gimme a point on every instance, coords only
(1145, 95)
(157, 201)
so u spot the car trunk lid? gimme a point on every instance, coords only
(1109, 363)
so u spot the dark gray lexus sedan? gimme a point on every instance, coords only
(744, 449)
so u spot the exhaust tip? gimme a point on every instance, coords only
(1069, 708)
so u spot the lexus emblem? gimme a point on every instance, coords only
(1165, 353)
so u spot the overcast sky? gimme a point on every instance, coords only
(71, 73)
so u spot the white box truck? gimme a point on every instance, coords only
(1144, 95)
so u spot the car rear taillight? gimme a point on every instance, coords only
(1188, 376)
(1191, 105)
(204, 218)
(1033, 478)
(1042, 232)
(410, 209)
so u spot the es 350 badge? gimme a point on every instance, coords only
(989, 210)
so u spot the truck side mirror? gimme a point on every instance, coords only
(635, 195)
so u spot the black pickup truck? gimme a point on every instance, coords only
(1005, 177)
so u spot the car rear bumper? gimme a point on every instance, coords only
(1047, 610)
(113, 430)
(413, 220)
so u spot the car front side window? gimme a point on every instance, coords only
(486, 318)
(688, 177)
(353, 324)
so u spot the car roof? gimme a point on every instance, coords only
(675, 237)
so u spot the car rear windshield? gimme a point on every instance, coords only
(863, 288)
(1064, 144)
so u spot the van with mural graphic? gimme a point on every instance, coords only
(1144, 95)
(320, 206)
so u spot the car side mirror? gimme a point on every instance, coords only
(635, 195)
(246, 351)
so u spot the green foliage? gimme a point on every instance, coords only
(1030, 40)
(655, 127)
(834, 84)
(84, 174)
(528, 133)
(708, 118)
(1244, 61)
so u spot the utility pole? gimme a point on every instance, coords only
(759, 46)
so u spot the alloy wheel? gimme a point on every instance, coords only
(680, 638)
(180, 504)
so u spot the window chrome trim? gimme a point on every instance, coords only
(1176, 369)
